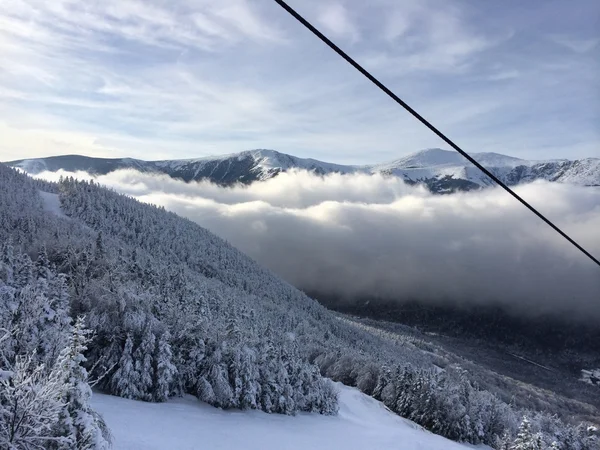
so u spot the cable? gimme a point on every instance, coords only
(425, 122)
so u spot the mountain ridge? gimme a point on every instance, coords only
(440, 170)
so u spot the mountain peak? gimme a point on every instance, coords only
(441, 170)
(430, 157)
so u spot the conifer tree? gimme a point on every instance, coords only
(526, 439)
(143, 363)
(125, 380)
(164, 369)
(78, 423)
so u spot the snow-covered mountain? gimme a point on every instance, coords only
(441, 170)
(244, 167)
(444, 170)
(175, 310)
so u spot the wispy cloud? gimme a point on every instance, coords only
(432, 35)
(184, 79)
(336, 20)
(576, 44)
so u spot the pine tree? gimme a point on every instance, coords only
(382, 381)
(23, 272)
(526, 439)
(125, 380)
(248, 373)
(205, 391)
(267, 364)
(143, 360)
(42, 265)
(165, 370)
(7, 263)
(79, 424)
(215, 373)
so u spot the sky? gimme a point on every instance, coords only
(158, 79)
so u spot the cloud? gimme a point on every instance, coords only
(156, 79)
(335, 18)
(431, 35)
(576, 45)
(360, 236)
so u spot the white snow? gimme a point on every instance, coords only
(265, 161)
(186, 424)
(436, 158)
(433, 163)
(586, 172)
(33, 166)
(51, 203)
(591, 376)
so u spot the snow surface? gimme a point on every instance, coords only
(436, 158)
(186, 424)
(51, 203)
(33, 165)
(264, 161)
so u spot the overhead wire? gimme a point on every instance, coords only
(428, 124)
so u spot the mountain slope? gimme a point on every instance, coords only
(441, 170)
(75, 163)
(175, 310)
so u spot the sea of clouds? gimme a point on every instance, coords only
(364, 236)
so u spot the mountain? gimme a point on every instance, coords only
(174, 310)
(244, 167)
(444, 170)
(441, 170)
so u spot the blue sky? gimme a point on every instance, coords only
(161, 79)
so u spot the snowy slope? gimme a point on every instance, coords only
(74, 163)
(186, 424)
(51, 203)
(436, 158)
(248, 166)
(441, 170)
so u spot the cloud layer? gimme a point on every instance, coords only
(360, 236)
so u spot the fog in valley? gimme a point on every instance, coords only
(358, 236)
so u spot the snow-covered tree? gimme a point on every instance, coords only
(526, 439)
(174, 309)
(164, 370)
(30, 406)
(143, 363)
(125, 380)
(79, 425)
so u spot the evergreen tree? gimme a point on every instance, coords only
(125, 380)
(143, 363)
(526, 439)
(249, 375)
(164, 369)
(81, 427)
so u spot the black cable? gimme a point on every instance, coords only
(425, 122)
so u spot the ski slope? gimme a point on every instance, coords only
(187, 424)
(51, 203)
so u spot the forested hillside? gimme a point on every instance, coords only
(167, 308)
